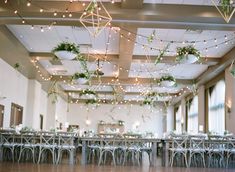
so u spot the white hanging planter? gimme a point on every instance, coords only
(167, 83)
(190, 59)
(82, 80)
(88, 96)
(65, 55)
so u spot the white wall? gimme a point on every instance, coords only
(149, 121)
(170, 119)
(14, 86)
(26, 93)
(61, 111)
(43, 107)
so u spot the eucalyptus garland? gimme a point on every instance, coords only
(183, 52)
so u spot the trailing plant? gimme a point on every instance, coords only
(17, 66)
(65, 46)
(161, 54)
(167, 78)
(80, 75)
(147, 102)
(53, 92)
(91, 101)
(87, 92)
(183, 52)
(226, 6)
(151, 37)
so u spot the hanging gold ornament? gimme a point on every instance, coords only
(95, 17)
(225, 8)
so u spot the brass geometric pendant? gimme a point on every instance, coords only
(225, 8)
(95, 17)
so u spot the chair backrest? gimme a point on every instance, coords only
(47, 138)
(217, 142)
(66, 138)
(29, 137)
(179, 141)
(197, 142)
(230, 142)
(8, 137)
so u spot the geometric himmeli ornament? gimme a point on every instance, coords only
(225, 7)
(95, 17)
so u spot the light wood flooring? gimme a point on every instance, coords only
(30, 167)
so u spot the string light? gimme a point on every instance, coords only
(28, 4)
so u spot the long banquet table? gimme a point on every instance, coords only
(154, 143)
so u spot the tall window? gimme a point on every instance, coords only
(1, 115)
(192, 112)
(178, 119)
(216, 111)
(16, 114)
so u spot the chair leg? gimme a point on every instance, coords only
(185, 157)
(100, 159)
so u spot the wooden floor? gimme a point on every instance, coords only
(29, 167)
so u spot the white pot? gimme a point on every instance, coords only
(189, 59)
(167, 83)
(82, 80)
(65, 55)
(88, 96)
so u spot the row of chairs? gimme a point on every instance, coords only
(36, 145)
(216, 151)
(120, 149)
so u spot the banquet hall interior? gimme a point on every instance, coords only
(117, 85)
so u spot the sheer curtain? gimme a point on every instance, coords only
(178, 120)
(192, 109)
(216, 114)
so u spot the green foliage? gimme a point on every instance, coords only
(91, 101)
(16, 66)
(161, 54)
(226, 6)
(80, 75)
(151, 37)
(183, 52)
(65, 46)
(167, 78)
(86, 92)
(53, 92)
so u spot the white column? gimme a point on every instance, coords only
(170, 119)
(229, 101)
(201, 107)
(32, 117)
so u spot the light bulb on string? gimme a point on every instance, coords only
(28, 4)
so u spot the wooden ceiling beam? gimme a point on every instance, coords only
(149, 16)
(123, 82)
(114, 58)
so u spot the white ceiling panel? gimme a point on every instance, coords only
(186, 2)
(182, 36)
(36, 41)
